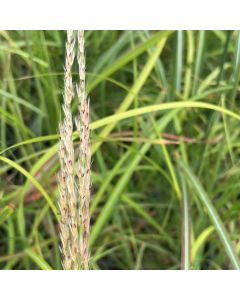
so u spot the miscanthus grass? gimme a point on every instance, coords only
(168, 116)
(84, 161)
(67, 195)
(74, 179)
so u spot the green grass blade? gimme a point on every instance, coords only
(39, 261)
(186, 231)
(113, 119)
(200, 240)
(179, 61)
(134, 90)
(190, 57)
(22, 102)
(199, 61)
(213, 215)
(224, 56)
(108, 56)
(160, 107)
(126, 58)
(107, 181)
(114, 198)
(236, 72)
(5, 213)
(14, 122)
(33, 181)
(139, 210)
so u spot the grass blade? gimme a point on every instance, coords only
(40, 262)
(134, 90)
(199, 61)
(126, 58)
(186, 231)
(160, 107)
(139, 210)
(213, 215)
(22, 102)
(201, 239)
(33, 181)
(236, 72)
(114, 198)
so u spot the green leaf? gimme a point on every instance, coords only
(186, 234)
(5, 213)
(128, 100)
(22, 102)
(139, 210)
(113, 119)
(160, 107)
(37, 259)
(33, 181)
(126, 58)
(199, 242)
(213, 215)
(115, 196)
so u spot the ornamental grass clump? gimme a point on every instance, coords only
(74, 178)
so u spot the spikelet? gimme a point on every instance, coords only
(74, 188)
(84, 161)
(66, 176)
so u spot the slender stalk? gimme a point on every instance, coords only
(67, 197)
(84, 162)
(186, 231)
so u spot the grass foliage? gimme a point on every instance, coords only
(165, 139)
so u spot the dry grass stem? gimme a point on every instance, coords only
(68, 197)
(84, 162)
(75, 186)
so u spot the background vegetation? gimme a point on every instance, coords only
(165, 184)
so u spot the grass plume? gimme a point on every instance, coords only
(74, 178)
(68, 198)
(84, 160)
